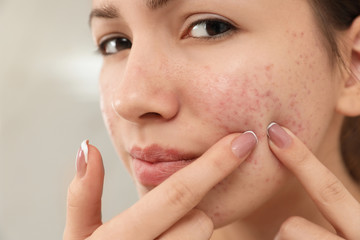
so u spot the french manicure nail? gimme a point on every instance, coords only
(278, 135)
(85, 149)
(242, 145)
(82, 158)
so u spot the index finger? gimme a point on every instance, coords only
(334, 201)
(158, 210)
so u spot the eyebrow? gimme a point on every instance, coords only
(109, 11)
(156, 4)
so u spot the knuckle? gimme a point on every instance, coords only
(291, 225)
(181, 195)
(332, 191)
(72, 197)
(302, 159)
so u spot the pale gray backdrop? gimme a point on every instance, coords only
(48, 105)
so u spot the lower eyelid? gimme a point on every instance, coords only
(218, 37)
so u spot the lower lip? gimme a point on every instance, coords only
(152, 174)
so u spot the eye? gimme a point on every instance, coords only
(209, 28)
(113, 45)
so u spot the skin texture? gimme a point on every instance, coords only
(201, 98)
(180, 92)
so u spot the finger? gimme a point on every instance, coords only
(195, 225)
(338, 206)
(181, 192)
(297, 228)
(84, 195)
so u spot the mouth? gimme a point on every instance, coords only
(153, 165)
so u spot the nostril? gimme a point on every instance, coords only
(150, 115)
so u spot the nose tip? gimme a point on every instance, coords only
(140, 108)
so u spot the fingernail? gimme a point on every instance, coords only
(82, 159)
(278, 135)
(85, 149)
(242, 145)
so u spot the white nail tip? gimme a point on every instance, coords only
(253, 133)
(85, 149)
(270, 125)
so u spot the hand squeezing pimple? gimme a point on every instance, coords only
(328, 193)
(172, 203)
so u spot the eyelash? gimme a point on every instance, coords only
(127, 44)
(230, 30)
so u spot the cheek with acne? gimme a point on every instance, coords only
(239, 101)
(250, 100)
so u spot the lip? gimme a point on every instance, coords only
(154, 164)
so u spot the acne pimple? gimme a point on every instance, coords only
(217, 214)
(269, 67)
(244, 99)
(295, 34)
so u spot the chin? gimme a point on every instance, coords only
(249, 187)
(227, 204)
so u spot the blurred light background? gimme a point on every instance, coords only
(48, 104)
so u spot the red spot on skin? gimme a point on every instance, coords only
(269, 67)
(300, 127)
(293, 95)
(268, 70)
(268, 93)
(293, 103)
(246, 123)
(251, 159)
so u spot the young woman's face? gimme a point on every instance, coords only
(181, 76)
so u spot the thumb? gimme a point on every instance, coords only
(84, 194)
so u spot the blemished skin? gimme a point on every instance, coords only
(178, 91)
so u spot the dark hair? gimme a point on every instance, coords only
(337, 15)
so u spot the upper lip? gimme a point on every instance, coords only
(155, 153)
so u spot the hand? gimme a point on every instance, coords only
(333, 200)
(166, 212)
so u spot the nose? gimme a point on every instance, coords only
(145, 91)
